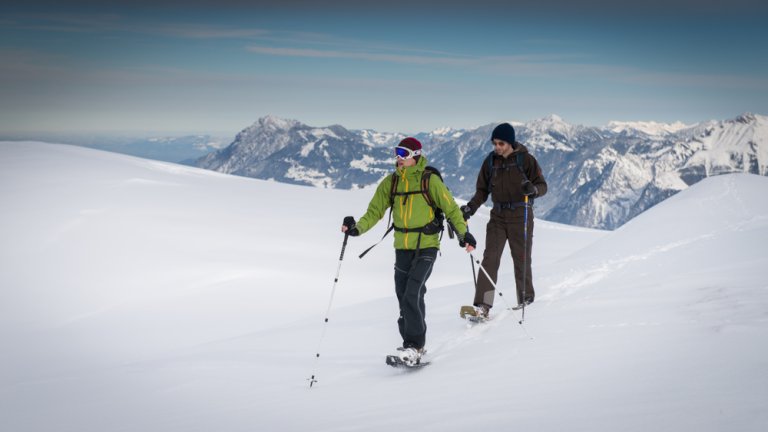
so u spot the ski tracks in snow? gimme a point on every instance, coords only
(473, 333)
(591, 275)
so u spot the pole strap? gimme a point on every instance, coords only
(391, 227)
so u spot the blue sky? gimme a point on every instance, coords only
(201, 66)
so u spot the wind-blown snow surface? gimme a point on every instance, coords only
(138, 295)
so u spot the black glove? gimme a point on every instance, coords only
(466, 211)
(468, 239)
(350, 223)
(529, 189)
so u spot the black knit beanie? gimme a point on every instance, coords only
(504, 132)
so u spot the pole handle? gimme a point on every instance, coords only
(344, 245)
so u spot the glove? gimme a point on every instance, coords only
(350, 223)
(468, 239)
(466, 211)
(529, 189)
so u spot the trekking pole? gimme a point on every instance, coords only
(472, 261)
(501, 295)
(491, 281)
(525, 255)
(312, 379)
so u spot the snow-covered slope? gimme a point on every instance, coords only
(138, 295)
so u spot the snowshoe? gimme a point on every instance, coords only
(407, 357)
(474, 314)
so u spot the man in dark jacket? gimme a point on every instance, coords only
(508, 175)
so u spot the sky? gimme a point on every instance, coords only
(216, 67)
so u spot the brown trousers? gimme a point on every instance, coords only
(506, 228)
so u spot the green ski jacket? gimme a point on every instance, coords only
(412, 211)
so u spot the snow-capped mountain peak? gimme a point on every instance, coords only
(647, 127)
(599, 177)
(276, 123)
(447, 132)
(373, 138)
(552, 122)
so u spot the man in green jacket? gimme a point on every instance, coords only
(416, 238)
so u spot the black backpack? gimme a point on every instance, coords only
(488, 168)
(435, 226)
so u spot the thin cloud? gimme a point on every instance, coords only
(502, 65)
(110, 23)
(392, 58)
(554, 65)
(64, 22)
(728, 81)
(205, 32)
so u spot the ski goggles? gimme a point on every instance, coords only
(406, 153)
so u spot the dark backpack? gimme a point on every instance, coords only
(488, 168)
(433, 227)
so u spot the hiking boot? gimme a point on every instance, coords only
(523, 304)
(410, 356)
(482, 311)
(528, 301)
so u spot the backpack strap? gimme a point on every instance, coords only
(519, 162)
(488, 171)
(488, 168)
(425, 187)
(392, 190)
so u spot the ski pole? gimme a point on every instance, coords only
(493, 284)
(312, 379)
(509, 308)
(525, 255)
(472, 261)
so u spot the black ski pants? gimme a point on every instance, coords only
(506, 227)
(412, 269)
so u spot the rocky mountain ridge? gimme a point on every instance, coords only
(598, 177)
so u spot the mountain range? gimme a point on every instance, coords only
(598, 177)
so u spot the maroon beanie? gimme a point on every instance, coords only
(411, 143)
